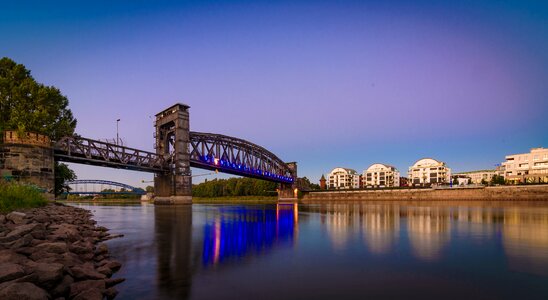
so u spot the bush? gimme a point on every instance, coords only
(14, 196)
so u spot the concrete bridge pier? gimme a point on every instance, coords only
(172, 142)
(288, 192)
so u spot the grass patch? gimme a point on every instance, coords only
(15, 196)
(236, 200)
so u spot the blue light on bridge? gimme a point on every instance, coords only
(210, 160)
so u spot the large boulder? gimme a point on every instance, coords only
(22, 242)
(9, 256)
(111, 264)
(102, 249)
(82, 272)
(58, 247)
(10, 271)
(48, 274)
(16, 217)
(21, 230)
(80, 286)
(66, 232)
(23, 291)
(91, 294)
(63, 288)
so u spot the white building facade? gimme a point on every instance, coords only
(381, 175)
(478, 177)
(529, 167)
(343, 178)
(428, 171)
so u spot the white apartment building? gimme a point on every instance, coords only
(381, 175)
(478, 176)
(343, 178)
(428, 171)
(529, 167)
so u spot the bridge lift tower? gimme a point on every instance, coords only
(172, 138)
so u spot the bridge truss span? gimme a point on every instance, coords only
(79, 183)
(82, 150)
(236, 156)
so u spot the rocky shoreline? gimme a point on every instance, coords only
(55, 252)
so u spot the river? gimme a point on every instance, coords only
(356, 250)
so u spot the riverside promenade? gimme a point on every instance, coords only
(496, 193)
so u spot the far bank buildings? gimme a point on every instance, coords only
(529, 167)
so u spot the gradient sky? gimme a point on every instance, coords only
(323, 83)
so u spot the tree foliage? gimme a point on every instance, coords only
(29, 106)
(63, 174)
(497, 179)
(306, 183)
(26, 105)
(234, 187)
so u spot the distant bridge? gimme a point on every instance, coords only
(80, 187)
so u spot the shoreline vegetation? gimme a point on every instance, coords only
(236, 200)
(15, 196)
(195, 200)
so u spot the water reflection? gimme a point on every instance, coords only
(345, 250)
(234, 232)
(525, 239)
(429, 228)
(428, 231)
(381, 227)
(173, 233)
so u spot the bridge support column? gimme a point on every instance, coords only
(28, 159)
(289, 192)
(172, 142)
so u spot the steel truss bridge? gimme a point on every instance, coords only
(207, 151)
(127, 189)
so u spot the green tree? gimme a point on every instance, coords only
(234, 187)
(307, 184)
(497, 179)
(62, 174)
(149, 189)
(29, 106)
(26, 105)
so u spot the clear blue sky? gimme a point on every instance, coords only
(323, 83)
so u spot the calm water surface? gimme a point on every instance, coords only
(330, 251)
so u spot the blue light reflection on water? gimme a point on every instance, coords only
(236, 231)
(331, 251)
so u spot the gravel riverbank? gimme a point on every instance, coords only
(55, 252)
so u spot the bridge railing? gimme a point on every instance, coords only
(83, 150)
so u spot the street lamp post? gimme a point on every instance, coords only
(117, 121)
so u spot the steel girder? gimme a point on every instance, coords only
(82, 150)
(236, 156)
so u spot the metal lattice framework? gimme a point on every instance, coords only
(129, 189)
(82, 150)
(236, 156)
(207, 151)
